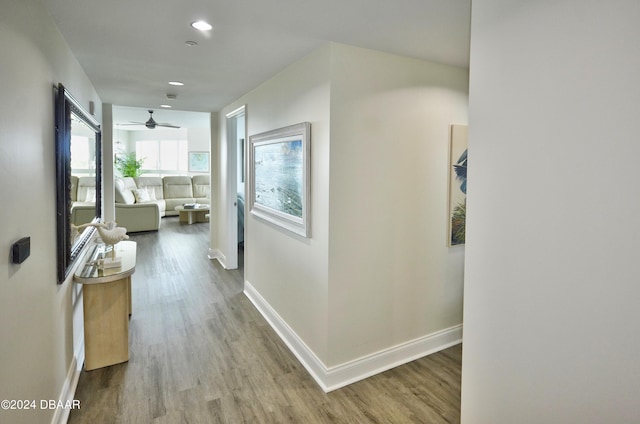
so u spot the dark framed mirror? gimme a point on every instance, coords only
(78, 152)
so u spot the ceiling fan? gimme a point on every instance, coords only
(151, 123)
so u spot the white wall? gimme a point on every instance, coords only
(552, 288)
(36, 315)
(122, 139)
(392, 276)
(376, 271)
(199, 139)
(291, 272)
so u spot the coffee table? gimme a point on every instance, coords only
(192, 215)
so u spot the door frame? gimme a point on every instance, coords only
(231, 200)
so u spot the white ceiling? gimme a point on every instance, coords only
(131, 49)
(183, 119)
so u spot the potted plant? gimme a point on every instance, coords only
(128, 165)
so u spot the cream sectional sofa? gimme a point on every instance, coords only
(141, 202)
(83, 199)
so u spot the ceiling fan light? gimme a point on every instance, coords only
(165, 106)
(202, 26)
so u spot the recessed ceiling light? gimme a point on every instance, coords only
(177, 83)
(201, 26)
(191, 43)
(165, 106)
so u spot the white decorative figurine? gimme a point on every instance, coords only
(110, 234)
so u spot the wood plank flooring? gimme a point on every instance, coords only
(201, 353)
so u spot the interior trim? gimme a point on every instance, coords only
(67, 394)
(335, 377)
(219, 256)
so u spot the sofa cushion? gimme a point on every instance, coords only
(177, 187)
(172, 203)
(123, 190)
(91, 195)
(74, 188)
(201, 186)
(152, 184)
(86, 189)
(82, 213)
(138, 217)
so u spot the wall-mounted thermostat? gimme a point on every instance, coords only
(21, 250)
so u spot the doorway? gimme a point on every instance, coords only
(236, 171)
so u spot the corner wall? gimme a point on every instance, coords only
(552, 288)
(288, 271)
(37, 349)
(392, 278)
(375, 285)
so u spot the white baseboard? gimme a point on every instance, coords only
(305, 355)
(217, 254)
(386, 359)
(335, 377)
(70, 385)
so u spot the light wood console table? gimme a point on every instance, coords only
(107, 305)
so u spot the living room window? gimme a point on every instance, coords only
(163, 157)
(82, 156)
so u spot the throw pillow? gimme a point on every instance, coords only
(142, 195)
(91, 195)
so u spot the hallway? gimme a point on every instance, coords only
(201, 353)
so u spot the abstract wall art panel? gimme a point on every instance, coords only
(457, 184)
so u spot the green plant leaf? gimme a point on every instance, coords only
(128, 165)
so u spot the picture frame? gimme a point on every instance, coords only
(457, 204)
(198, 161)
(279, 177)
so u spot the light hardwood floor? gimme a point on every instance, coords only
(201, 353)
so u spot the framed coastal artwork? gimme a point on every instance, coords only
(279, 177)
(198, 161)
(457, 184)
